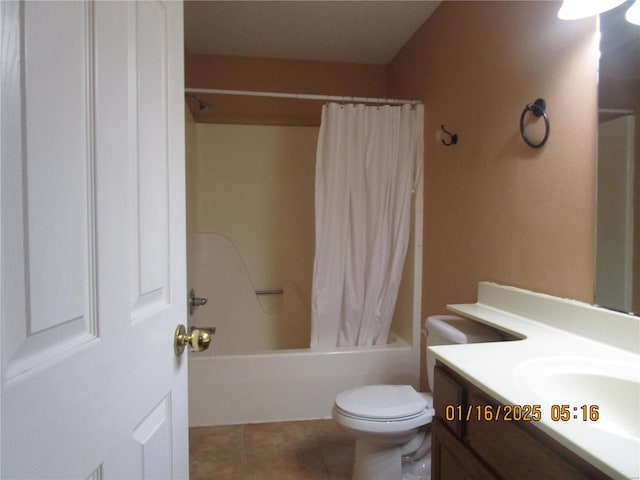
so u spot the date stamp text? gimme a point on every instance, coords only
(524, 413)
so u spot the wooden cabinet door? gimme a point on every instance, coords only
(451, 460)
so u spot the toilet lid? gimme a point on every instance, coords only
(381, 401)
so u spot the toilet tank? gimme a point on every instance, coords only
(450, 330)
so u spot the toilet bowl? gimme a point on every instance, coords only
(390, 422)
(384, 420)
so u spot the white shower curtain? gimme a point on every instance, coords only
(364, 176)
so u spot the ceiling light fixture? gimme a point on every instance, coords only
(574, 9)
(633, 14)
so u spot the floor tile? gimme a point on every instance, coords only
(219, 439)
(338, 457)
(328, 432)
(216, 466)
(279, 436)
(292, 464)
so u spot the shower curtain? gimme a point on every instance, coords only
(364, 177)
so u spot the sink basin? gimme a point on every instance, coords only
(614, 388)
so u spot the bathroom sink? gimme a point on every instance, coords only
(581, 384)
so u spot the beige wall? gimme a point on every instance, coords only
(496, 209)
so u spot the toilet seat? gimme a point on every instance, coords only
(383, 409)
(369, 419)
(389, 429)
(382, 403)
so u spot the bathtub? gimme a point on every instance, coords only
(253, 372)
(294, 384)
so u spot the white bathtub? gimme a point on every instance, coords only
(290, 384)
(253, 372)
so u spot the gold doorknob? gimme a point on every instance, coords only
(198, 340)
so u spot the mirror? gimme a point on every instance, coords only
(617, 276)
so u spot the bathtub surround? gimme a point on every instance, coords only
(364, 176)
(251, 377)
(245, 322)
(252, 229)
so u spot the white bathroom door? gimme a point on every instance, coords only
(92, 240)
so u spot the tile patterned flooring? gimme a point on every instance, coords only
(305, 450)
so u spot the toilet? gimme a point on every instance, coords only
(389, 422)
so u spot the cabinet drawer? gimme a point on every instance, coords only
(451, 460)
(448, 393)
(513, 450)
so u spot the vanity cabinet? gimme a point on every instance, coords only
(477, 449)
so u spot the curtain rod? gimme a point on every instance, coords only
(302, 96)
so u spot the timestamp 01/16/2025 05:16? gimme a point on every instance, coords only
(526, 413)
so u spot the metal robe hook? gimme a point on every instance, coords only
(452, 136)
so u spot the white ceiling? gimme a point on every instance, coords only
(342, 31)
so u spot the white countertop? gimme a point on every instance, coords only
(500, 368)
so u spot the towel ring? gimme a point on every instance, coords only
(538, 109)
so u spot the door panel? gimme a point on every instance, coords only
(151, 168)
(53, 299)
(154, 437)
(92, 240)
